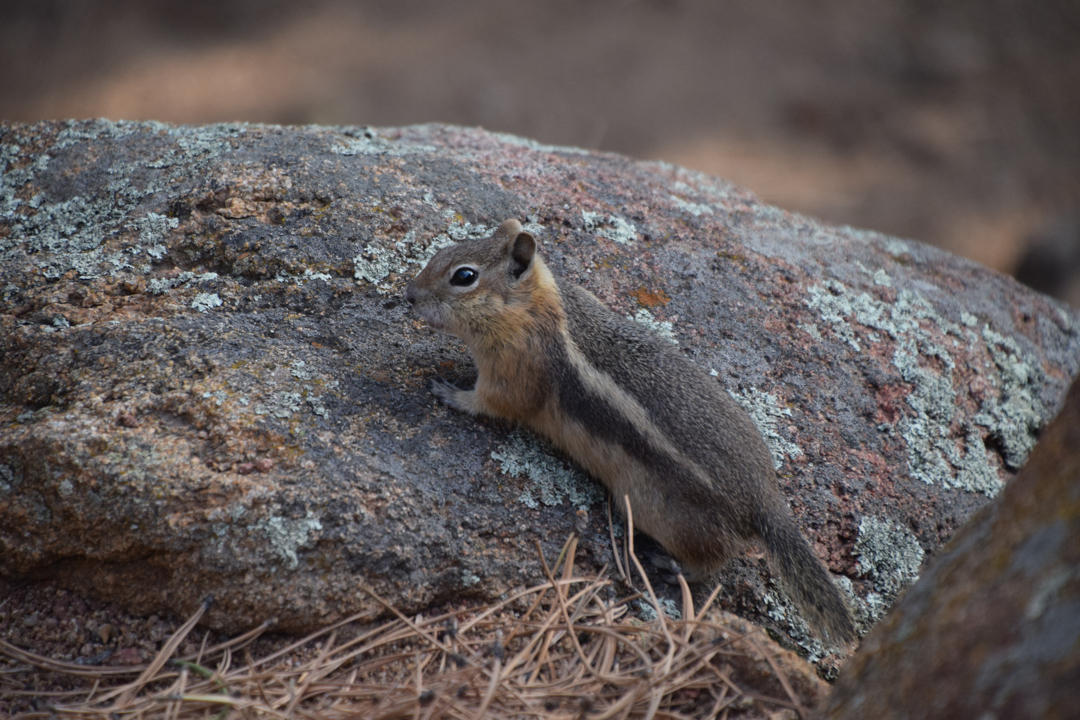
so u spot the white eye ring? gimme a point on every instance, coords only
(464, 276)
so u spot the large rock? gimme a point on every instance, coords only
(211, 386)
(992, 629)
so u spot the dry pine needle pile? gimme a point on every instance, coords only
(557, 650)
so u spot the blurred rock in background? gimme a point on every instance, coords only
(1051, 260)
(955, 124)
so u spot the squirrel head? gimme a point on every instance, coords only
(476, 288)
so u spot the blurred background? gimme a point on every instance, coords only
(952, 122)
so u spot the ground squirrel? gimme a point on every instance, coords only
(625, 405)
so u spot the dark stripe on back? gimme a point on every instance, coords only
(606, 421)
(701, 515)
(701, 420)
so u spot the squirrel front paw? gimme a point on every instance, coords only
(464, 401)
(444, 390)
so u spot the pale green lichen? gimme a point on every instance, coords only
(695, 209)
(811, 329)
(553, 481)
(280, 405)
(866, 609)
(159, 286)
(317, 407)
(895, 246)
(1015, 419)
(973, 469)
(611, 227)
(780, 608)
(195, 146)
(153, 228)
(647, 611)
(694, 182)
(663, 328)
(283, 404)
(936, 455)
(287, 536)
(204, 302)
(79, 233)
(218, 396)
(307, 276)
(366, 141)
(533, 227)
(68, 235)
(77, 131)
(376, 263)
(766, 412)
(889, 555)
(874, 607)
(300, 370)
(537, 146)
(463, 230)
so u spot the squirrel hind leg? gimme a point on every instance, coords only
(656, 559)
(697, 572)
(668, 565)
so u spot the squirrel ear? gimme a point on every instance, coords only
(509, 229)
(522, 251)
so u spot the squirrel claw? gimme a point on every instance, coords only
(443, 389)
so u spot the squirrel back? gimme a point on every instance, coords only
(625, 405)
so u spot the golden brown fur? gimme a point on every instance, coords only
(621, 402)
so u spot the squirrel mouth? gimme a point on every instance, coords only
(433, 320)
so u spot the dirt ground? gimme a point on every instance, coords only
(954, 123)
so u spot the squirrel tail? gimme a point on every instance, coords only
(806, 578)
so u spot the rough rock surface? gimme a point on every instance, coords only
(992, 628)
(210, 385)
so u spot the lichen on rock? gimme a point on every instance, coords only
(209, 383)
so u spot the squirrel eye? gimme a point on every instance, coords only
(464, 276)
